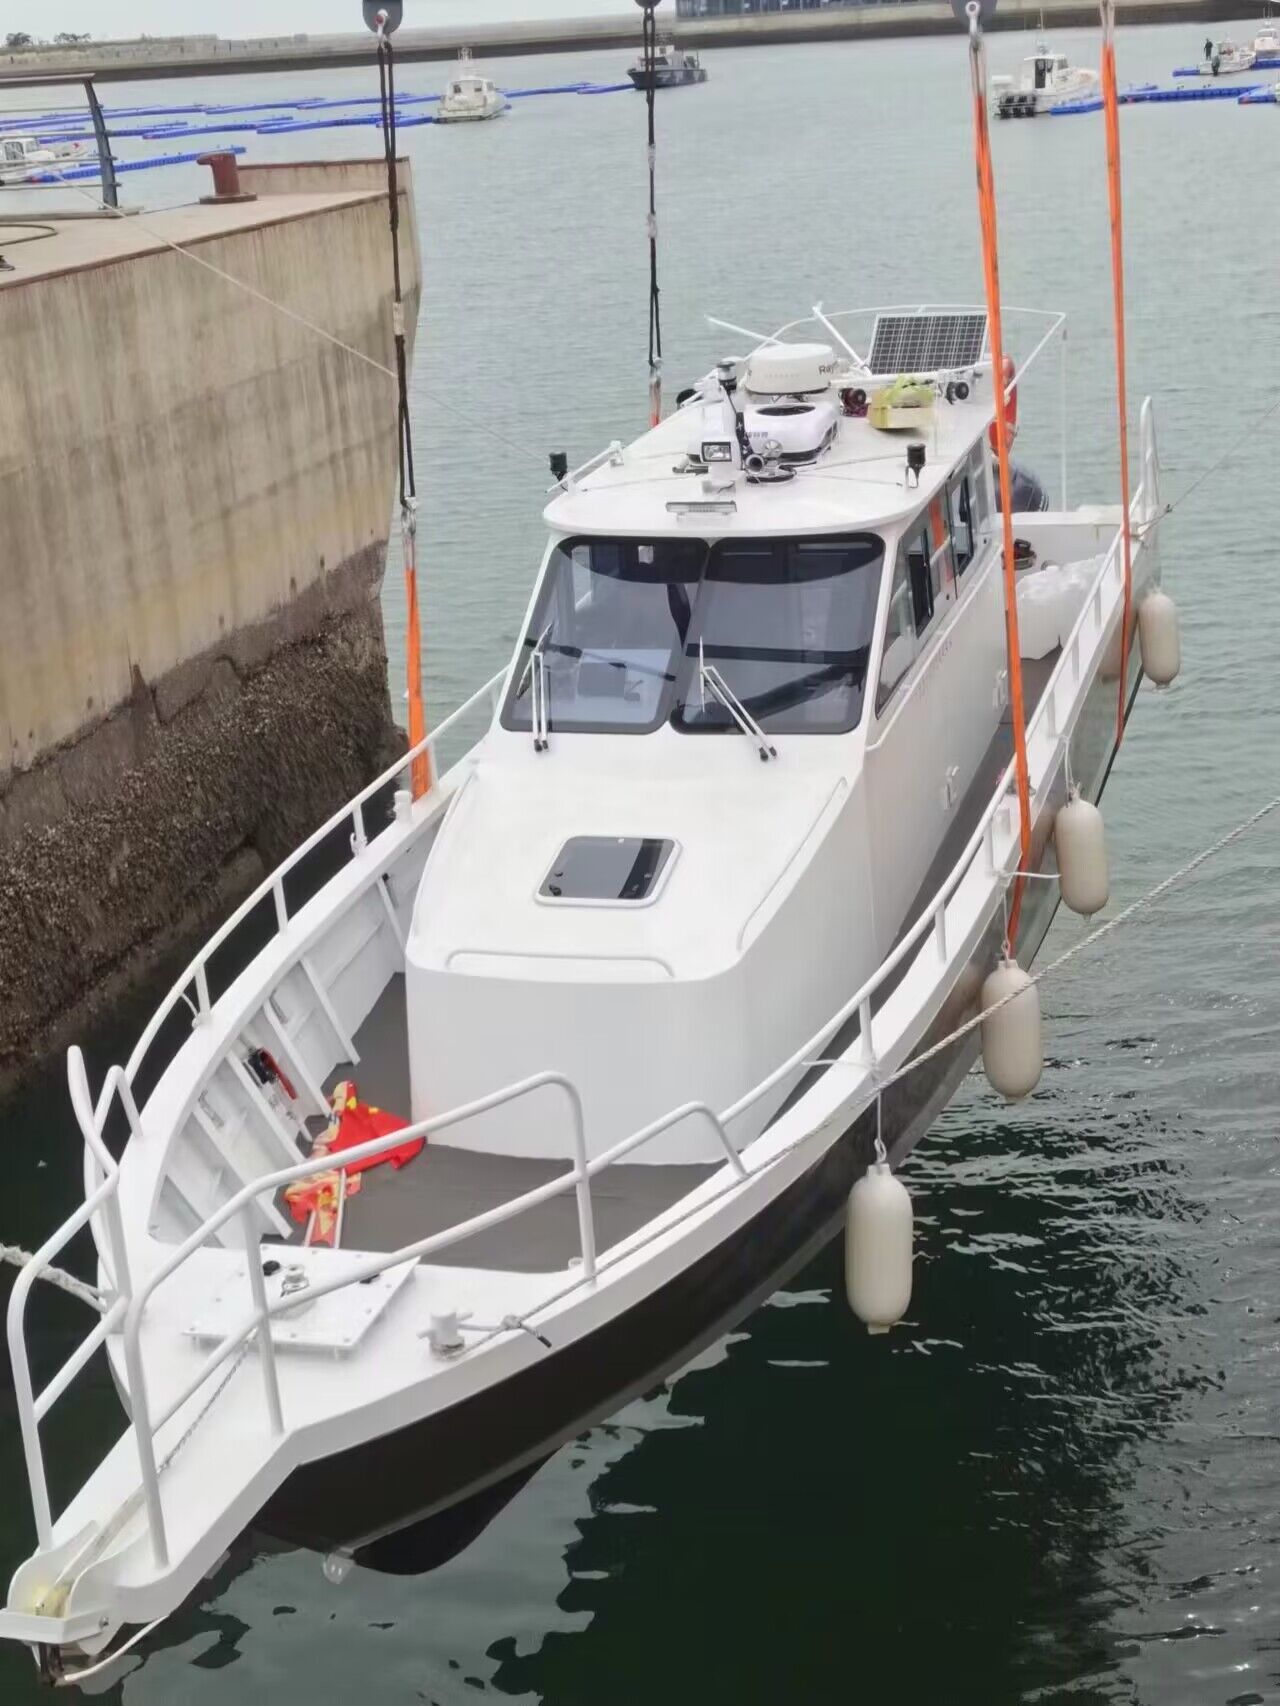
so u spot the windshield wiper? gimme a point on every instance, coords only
(535, 679)
(710, 677)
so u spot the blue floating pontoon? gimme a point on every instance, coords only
(75, 173)
(1151, 93)
(1270, 63)
(1258, 98)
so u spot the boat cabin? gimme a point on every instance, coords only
(758, 679)
(23, 150)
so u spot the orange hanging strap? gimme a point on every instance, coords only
(991, 275)
(1111, 111)
(420, 769)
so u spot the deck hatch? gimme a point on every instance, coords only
(614, 868)
(927, 343)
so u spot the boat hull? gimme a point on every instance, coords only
(667, 79)
(358, 1496)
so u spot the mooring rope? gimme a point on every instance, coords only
(74, 1287)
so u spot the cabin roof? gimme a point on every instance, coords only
(860, 481)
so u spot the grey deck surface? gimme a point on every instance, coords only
(445, 1185)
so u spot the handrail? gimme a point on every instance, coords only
(197, 971)
(104, 1196)
(663, 1123)
(146, 1427)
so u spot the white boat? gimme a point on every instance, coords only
(1045, 78)
(672, 68)
(733, 846)
(1266, 44)
(469, 96)
(1225, 59)
(23, 158)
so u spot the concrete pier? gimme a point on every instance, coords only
(209, 55)
(197, 494)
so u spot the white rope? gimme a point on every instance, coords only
(302, 320)
(73, 1679)
(74, 1287)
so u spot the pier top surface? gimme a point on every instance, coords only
(82, 241)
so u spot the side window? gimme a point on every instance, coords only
(942, 572)
(980, 511)
(920, 576)
(899, 635)
(960, 508)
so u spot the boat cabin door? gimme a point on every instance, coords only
(1042, 73)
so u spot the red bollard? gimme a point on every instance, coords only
(226, 179)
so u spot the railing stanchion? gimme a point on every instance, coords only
(940, 932)
(582, 1187)
(140, 1411)
(25, 1404)
(202, 992)
(282, 909)
(866, 1045)
(266, 1344)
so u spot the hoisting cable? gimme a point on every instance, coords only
(1111, 112)
(650, 59)
(420, 770)
(991, 275)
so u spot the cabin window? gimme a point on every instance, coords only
(609, 628)
(960, 510)
(919, 576)
(622, 628)
(787, 624)
(942, 569)
(899, 649)
(980, 508)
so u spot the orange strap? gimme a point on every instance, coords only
(991, 274)
(1111, 110)
(420, 769)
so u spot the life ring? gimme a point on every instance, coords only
(1011, 404)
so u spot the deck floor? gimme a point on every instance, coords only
(445, 1185)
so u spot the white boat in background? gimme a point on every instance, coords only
(24, 158)
(1266, 44)
(470, 96)
(734, 846)
(1226, 60)
(1044, 79)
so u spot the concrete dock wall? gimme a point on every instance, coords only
(196, 493)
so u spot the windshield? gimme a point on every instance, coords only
(623, 627)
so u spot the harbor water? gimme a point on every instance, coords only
(1055, 1484)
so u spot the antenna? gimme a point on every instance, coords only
(649, 40)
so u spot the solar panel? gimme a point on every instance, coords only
(927, 343)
